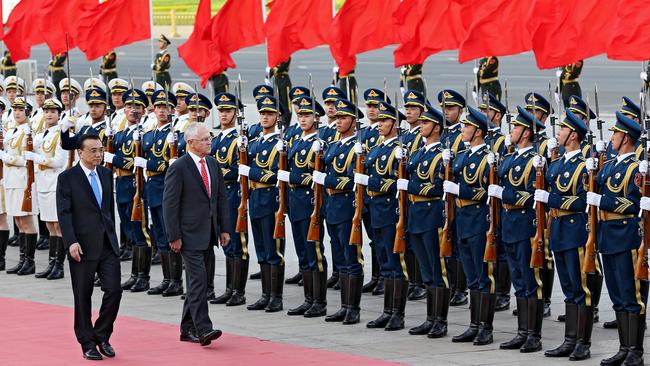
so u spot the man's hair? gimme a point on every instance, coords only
(192, 130)
(83, 138)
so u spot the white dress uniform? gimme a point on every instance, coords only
(118, 121)
(48, 145)
(38, 121)
(182, 122)
(15, 171)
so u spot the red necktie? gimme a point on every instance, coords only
(204, 176)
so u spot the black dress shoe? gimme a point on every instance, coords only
(189, 337)
(206, 338)
(92, 354)
(106, 349)
(255, 276)
(294, 280)
(610, 324)
(418, 293)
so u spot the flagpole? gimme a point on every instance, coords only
(151, 36)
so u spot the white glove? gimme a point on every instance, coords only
(552, 144)
(644, 76)
(172, 161)
(29, 155)
(450, 187)
(283, 176)
(538, 161)
(335, 69)
(402, 184)
(474, 96)
(495, 191)
(319, 177)
(446, 155)
(361, 179)
(140, 162)
(2, 155)
(492, 158)
(152, 65)
(36, 158)
(242, 141)
(267, 69)
(647, 145)
(358, 149)
(66, 124)
(108, 157)
(507, 141)
(315, 147)
(593, 199)
(402, 69)
(136, 135)
(171, 137)
(643, 167)
(244, 170)
(645, 203)
(475, 70)
(280, 146)
(400, 153)
(541, 196)
(558, 73)
(38, 139)
(591, 163)
(601, 146)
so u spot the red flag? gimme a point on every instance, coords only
(296, 25)
(228, 31)
(360, 26)
(112, 24)
(630, 38)
(198, 54)
(426, 27)
(56, 27)
(23, 29)
(497, 28)
(570, 30)
(2, 23)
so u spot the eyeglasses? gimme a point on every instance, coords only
(95, 151)
(205, 139)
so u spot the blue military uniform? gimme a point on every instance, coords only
(633, 111)
(260, 91)
(69, 140)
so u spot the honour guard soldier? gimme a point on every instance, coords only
(495, 110)
(198, 107)
(4, 227)
(471, 174)
(51, 160)
(14, 87)
(149, 121)
(579, 108)
(569, 84)
(411, 78)
(568, 236)
(619, 238)
(69, 96)
(517, 176)
(16, 182)
(259, 92)
(338, 180)
(7, 66)
(43, 90)
(182, 90)
(632, 111)
(162, 62)
(108, 67)
(124, 152)
(381, 165)
(425, 220)
(302, 159)
(452, 104)
(263, 203)
(347, 83)
(156, 146)
(487, 76)
(96, 100)
(56, 69)
(220, 83)
(118, 120)
(283, 82)
(224, 149)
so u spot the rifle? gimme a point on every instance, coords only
(599, 124)
(400, 233)
(173, 147)
(109, 127)
(641, 265)
(589, 263)
(71, 152)
(537, 257)
(314, 232)
(446, 247)
(554, 118)
(490, 254)
(511, 148)
(242, 210)
(138, 203)
(356, 237)
(279, 231)
(27, 195)
(196, 106)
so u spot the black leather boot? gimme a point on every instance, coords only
(475, 312)
(355, 288)
(227, 294)
(637, 324)
(460, 293)
(370, 286)
(622, 319)
(535, 317)
(333, 280)
(240, 275)
(294, 280)
(175, 287)
(166, 270)
(319, 306)
(21, 260)
(503, 287)
(418, 291)
(425, 327)
(486, 318)
(29, 267)
(127, 253)
(585, 324)
(400, 296)
(382, 320)
(263, 301)
(339, 315)
(548, 276)
(43, 242)
(570, 333)
(380, 288)
(610, 324)
(440, 312)
(13, 240)
(4, 241)
(597, 289)
(57, 271)
(144, 269)
(128, 284)
(277, 285)
(257, 275)
(308, 293)
(51, 260)
(522, 326)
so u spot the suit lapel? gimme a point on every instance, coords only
(86, 184)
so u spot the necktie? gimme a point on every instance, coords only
(95, 186)
(204, 176)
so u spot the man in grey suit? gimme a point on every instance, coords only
(195, 209)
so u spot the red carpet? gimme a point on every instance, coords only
(38, 334)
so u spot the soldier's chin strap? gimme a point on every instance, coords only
(520, 135)
(621, 143)
(566, 139)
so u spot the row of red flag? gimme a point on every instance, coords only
(559, 32)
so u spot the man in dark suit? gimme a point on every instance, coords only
(86, 209)
(195, 209)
